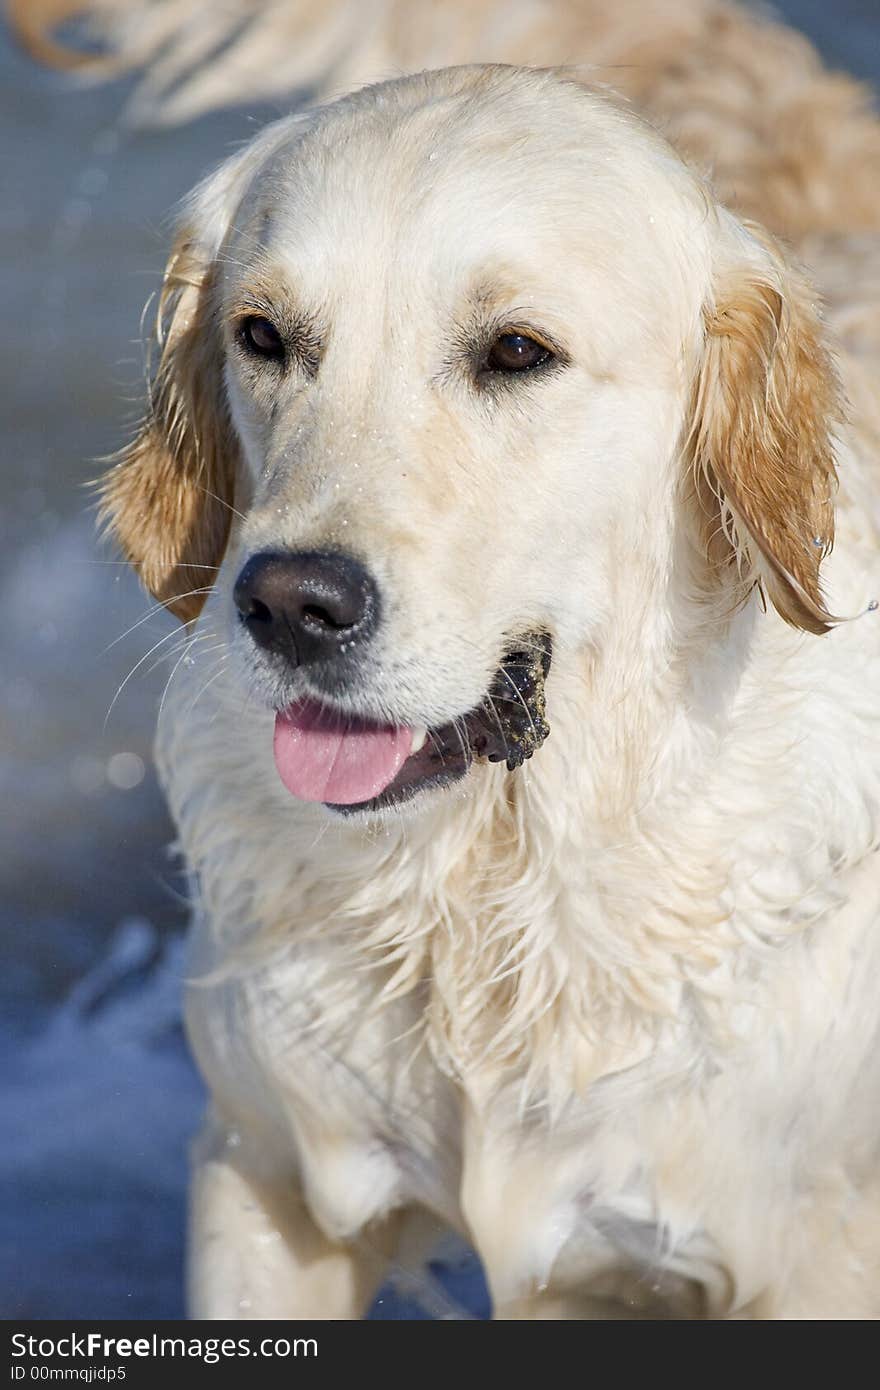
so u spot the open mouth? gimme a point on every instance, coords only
(351, 764)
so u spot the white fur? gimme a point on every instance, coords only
(613, 1016)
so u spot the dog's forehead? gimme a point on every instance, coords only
(428, 170)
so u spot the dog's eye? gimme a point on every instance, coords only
(260, 336)
(516, 352)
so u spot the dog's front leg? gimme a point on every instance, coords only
(255, 1252)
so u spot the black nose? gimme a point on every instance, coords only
(308, 606)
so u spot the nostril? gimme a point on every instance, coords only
(257, 612)
(322, 617)
(244, 594)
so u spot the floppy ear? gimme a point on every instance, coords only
(766, 401)
(168, 499)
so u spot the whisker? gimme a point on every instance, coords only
(519, 696)
(491, 700)
(222, 501)
(169, 655)
(180, 660)
(167, 638)
(186, 639)
(438, 747)
(221, 664)
(157, 608)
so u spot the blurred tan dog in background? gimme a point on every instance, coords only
(478, 416)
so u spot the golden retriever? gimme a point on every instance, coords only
(479, 417)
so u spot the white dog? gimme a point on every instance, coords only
(494, 421)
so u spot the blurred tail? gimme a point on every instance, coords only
(34, 23)
(196, 55)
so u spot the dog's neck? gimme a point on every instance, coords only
(588, 929)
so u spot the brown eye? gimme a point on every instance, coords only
(515, 352)
(260, 336)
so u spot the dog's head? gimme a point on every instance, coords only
(447, 368)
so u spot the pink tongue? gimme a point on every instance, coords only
(321, 756)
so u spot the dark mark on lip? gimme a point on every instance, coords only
(508, 726)
(511, 724)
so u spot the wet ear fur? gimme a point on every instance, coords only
(766, 402)
(168, 499)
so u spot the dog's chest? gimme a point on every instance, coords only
(349, 1101)
(340, 1090)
